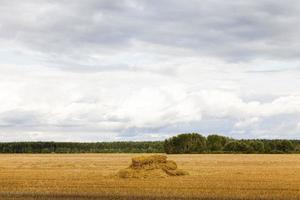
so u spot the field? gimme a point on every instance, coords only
(92, 176)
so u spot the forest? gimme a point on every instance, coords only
(181, 144)
(81, 147)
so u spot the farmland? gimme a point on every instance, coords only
(92, 176)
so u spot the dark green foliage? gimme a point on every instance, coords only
(183, 143)
(281, 146)
(257, 146)
(285, 146)
(70, 147)
(216, 142)
(297, 147)
(186, 143)
(238, 147)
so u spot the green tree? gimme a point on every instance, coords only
(216, 142)
(285, 146)
(257, 146)
(186, 143)
(238, 147)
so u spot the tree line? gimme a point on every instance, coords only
(196, 143)
(182, 143)
(78, 147)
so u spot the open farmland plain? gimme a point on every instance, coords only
(92, 176)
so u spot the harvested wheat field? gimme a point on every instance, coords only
(95, 176)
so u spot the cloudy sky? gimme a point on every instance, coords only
(103, 70)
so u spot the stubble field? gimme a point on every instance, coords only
(92, 176)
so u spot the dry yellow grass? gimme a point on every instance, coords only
(92, 176)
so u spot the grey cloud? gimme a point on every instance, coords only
(266, 71)
(163, 67)
(277, 127)
(73, 30)
(280, 126)
(19, 118)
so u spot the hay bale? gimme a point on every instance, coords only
(148, 160)
(176, 172)
(141, 174)
(170, 165)
(151, 167)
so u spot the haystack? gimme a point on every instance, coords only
(151, 167)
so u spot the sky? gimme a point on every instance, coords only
(109, 70)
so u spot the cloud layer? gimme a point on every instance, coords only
(135, 70)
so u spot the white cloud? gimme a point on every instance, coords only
(298, 126)
(105, 70)
(246, 123)
(46, 101)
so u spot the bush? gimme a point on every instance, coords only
(186, 143)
